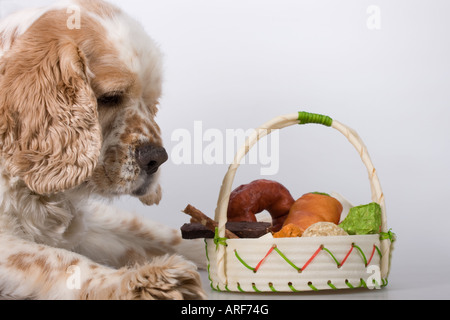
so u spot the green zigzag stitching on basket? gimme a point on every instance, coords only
(362, 283)
(306, 117)
(321, 248)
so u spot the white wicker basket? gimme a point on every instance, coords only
(298, 264)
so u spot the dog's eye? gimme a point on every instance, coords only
(110, 99)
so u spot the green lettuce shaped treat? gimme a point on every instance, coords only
(362, 220)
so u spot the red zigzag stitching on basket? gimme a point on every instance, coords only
(321, 248)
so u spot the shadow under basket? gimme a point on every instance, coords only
(302, 263)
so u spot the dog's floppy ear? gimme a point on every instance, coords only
(49, 130)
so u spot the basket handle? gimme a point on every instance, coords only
(281, 122)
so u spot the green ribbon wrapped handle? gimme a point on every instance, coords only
(306, 117)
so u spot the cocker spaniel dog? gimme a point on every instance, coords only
(77, 109)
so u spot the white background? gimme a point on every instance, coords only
(239, 63)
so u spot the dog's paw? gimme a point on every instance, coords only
(193, 250)
(165, 278)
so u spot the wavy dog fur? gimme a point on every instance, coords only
(76, 106)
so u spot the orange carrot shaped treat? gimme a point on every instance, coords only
(308, 210)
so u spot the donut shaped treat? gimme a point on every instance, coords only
(250, 199)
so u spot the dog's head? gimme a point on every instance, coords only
(79, 93)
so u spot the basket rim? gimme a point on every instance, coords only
(305, 239)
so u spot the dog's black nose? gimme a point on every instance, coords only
(150, 158)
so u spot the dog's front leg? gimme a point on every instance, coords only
(119, 238)
(33, 271)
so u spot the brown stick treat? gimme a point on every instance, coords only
(200, 217)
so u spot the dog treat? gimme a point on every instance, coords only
(362, 220)
(193, 230)
(308, 210)
(250, 199)
(241, 229)
(200, 217)
(289, 231)
(324, 229)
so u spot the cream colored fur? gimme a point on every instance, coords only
(75, 104)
